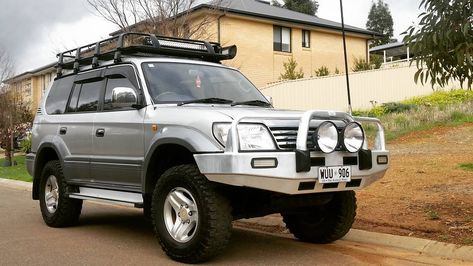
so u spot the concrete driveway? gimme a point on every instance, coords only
(110, 235)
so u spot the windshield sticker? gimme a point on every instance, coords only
(198, 82)
(151, 65)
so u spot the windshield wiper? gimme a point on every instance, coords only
(252, 102)
(206, 100)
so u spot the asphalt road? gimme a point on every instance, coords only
(110, 235)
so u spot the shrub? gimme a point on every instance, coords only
(290, 72)
(397, 107)
(360, 64)
(322, 71)
(376, 61)
(26, 144)
(442, 98)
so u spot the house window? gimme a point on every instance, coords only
(306, 38)
(282, 39)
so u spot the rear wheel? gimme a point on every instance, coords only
(56, 208)
(191, 220)
(325, 223)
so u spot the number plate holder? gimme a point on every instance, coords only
(334, 174)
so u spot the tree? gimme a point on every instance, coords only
(380, 21)
(442, 43)
(15, 113)
(309, 7)
(162, 17)
(6, 68)
(290, 72)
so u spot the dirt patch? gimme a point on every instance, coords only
(425, 192)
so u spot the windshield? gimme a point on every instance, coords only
(186, 83)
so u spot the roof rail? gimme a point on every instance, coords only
(140, 44)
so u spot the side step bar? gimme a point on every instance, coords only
(87, 193)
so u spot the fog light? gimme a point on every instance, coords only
(264, 163)
(382, 159)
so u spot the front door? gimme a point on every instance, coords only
(118, 139)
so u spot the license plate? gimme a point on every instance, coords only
(334, 174)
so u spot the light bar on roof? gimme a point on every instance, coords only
(182, 45)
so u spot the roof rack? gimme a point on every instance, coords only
(140, 44)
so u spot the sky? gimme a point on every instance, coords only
(34, 31)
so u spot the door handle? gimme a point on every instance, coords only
(63, 131)
(100, 132)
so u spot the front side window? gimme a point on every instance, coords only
(305, 38)
(115, 82)
(281, 39)
(180, 82)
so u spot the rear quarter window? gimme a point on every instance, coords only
(59, 95)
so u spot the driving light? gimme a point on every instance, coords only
(251, 136)
(353, 137)
(326, 137)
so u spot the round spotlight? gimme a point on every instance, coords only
(353, 137)
(326, 137)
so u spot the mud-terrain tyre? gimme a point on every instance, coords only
(191, 220)
(326, 223)
(57, 209)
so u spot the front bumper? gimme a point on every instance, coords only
(237, 168)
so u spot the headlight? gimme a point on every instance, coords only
(353, 137)
(252, 136)
(326, 137)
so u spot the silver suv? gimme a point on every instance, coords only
(160, 124)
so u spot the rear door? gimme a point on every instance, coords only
(76, 126)
(118, 139)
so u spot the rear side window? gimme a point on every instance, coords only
(88, 100)
(72, 107)
(58, 95)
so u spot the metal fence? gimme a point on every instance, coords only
(368, 89)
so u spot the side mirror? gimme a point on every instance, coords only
(269, 98)
(124, 97)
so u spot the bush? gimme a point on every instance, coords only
(26, 144)
(376, 61)
(322, 71)
(290, 72)
(397, 107)
(360, 64)
(442, 98)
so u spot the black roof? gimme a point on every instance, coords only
(264, 10)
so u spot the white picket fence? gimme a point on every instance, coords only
(368, 89)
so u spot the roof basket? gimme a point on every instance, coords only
(141, 44)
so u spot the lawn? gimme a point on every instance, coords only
(17, 172)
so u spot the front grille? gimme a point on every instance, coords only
(286, 138)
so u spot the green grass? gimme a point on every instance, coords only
(467, 166)
(17, 172)
(451, 108)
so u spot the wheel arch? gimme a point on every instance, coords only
(46, 152)
(163, 155)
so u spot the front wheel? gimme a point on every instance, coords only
(325, 223)
(191, 220)
(57, 209)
